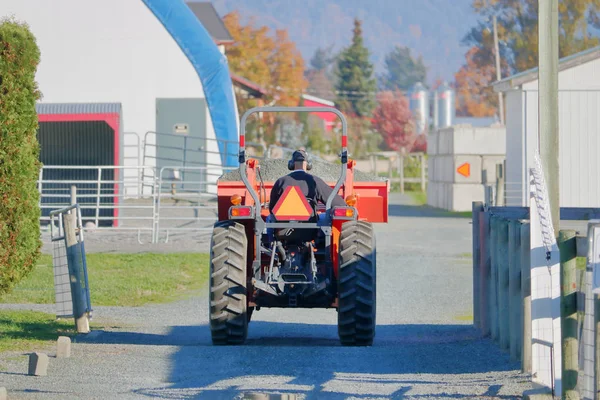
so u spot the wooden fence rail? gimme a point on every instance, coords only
(396, 161)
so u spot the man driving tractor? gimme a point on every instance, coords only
(314, 188)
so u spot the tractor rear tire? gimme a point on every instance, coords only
(228, 306)
(357, 284)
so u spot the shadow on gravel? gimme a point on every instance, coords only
(308, 359)
(402, 210)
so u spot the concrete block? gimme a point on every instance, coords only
(3, 393)
(445, 197)
(431, 168)
(436, 172)
(465, 139)
(444, 165)
(432, 143)
(538, 394)
(38, 364)
(433, 196)
(439, 195)
(464, 194)
(63, 347)
(445, 141)
(481, 140)
(454, 196)
(474, 162)
(443, 168)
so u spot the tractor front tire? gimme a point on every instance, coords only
(228, 307)
(356, 284)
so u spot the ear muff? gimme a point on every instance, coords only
(291, 165)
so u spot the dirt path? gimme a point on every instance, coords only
(425, 345)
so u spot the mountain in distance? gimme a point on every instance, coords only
(431, 28)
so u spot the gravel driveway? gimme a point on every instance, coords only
(425, 345)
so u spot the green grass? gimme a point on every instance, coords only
(122, 279)
(420, 198)
(466, 317)
(461, 214)
(25, 330)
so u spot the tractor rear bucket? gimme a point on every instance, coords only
(372, 205)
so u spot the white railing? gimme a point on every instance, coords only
(112, 197)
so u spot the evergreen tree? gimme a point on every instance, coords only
(322, 59)
(403, 71)
(355, 78)
(320, 76)
(19, 154)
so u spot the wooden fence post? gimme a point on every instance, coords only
(514, 288)
(423, 168)
(401, 173)
(484, 273)
(503, 293)
(526, 297)
(597, 341)
(568, 317)
(374, 164)
(499, 185)
(493, 305)
(76, 276)
(477, 207)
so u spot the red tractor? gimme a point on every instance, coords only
(308, 262)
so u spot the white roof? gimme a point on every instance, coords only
(318, 100)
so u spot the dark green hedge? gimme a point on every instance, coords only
(19, 166)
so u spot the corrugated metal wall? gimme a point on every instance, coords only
(579, 130)
(78, 108)
(515, 148)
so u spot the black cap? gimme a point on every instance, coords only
(299, 155)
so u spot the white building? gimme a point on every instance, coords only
(579, 130)
(118, 51)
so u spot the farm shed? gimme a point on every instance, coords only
(80, 135)
(579, 130)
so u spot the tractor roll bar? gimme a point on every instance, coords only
(343, 155)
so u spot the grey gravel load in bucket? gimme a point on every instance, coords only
(273, 169)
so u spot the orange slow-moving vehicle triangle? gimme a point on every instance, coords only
(292, 205)
(464, 170)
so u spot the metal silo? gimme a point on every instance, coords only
(419, 106)
(446, 106)
(436, 111)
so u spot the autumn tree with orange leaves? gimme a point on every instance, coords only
(474, 95)
(270, 60)
(517, 24)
